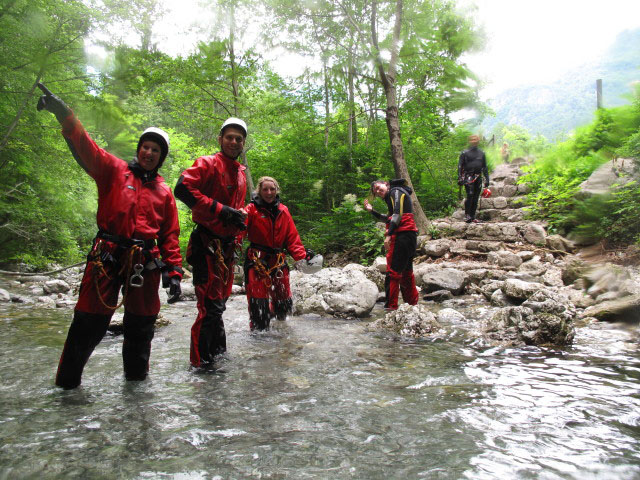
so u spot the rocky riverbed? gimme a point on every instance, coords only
(505, 280)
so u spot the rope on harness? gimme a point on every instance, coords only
(125, 271)
(221, 266)
(265, 273)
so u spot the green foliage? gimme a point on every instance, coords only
(349, 225)
(613, 218)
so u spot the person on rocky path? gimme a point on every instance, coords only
(214, 188)
(472, 166)
(400, 241)
(272, 233)
(504, 152)
(137, 223)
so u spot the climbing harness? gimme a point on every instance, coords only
(265, 273)
(131, 270)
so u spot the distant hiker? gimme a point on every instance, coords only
(214, 188)
(400, 240)
(137, 223)
(272, 233)
(472, 166)
(504, 152)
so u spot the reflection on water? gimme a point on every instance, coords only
(319, 398)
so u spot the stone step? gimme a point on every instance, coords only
(508, 232)
(494, 215)
(498, 202)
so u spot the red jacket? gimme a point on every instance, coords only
(210, 183)
(127, 206)
(273, 227)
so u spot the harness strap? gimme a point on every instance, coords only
(126, 242)
(134, 280)
(265, 273)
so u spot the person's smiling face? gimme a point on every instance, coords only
(149, 155)
(268, 191)
(231, 142)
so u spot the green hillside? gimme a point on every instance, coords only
(557, 108)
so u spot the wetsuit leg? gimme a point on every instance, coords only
(208, 337)
(402, 249)
(473, 195)
(136, 348)
(281, 295)
(258, 301)
(85, 333)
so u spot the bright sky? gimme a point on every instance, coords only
(537, 41)
(529, 41)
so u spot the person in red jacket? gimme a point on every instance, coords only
(214, 188)
(271, 231)
(137, 223)
(400, 240)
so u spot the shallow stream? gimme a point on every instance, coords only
(319, 398)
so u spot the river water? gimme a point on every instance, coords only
(320, 398)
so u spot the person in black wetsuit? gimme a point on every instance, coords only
(472, 166)
(400, 240)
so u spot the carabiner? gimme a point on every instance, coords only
(136, 279)
(279, 273)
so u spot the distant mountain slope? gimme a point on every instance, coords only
(559, 107)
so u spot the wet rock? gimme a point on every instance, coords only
(409, 321)
(47, 301)
(499, 299)
(56, 286)
(524, 326)
(4, 296)
(449, 315)
(622, 309)
(333, 291)
(438, 296)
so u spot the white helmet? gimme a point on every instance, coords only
(160, 137)
(235, 122)
(313, 265)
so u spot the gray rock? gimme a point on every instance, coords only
(381, 264)
(535, 234)
(436, 248)
(499, 299)
(618, 171)
(504, 259)
(438, 296)
(623, 309)
(559, 243)
(333, 291)
(444, 279)
(56, 286)
(573, 269)
(449, 315)
(4, 295)
(520, 290)
(409, 321)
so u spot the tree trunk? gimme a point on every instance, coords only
(235, 88)
(393, 124)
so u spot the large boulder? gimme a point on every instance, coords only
(519, 289)
(56, 286)
(443, 279)
(333, 291)
(409, 321)
(544, 319)
(371, 272)
(618, 171)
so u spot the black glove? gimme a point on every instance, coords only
(231, 216)
(310, 254)
(174, 289)
(53, 104)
